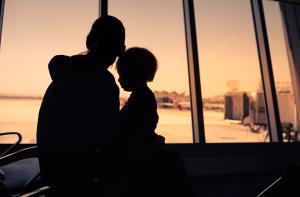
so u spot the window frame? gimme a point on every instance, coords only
(267, 76)
(290, 25)
(270, 96)
(194, 74)
(2, 2)
(193, 67)
(263, 49)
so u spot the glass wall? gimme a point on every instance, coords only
(233, 99)
(33, 32)
(230, 74)
(159, 26)
(281, 70)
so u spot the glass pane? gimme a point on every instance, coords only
(281, 71)
(159, 26)
(233, 100)
(33, 32)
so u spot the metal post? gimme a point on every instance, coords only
(1, 18)
(103, 6)
(266, 71)
(193, 69)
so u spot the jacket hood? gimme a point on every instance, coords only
(73, 67)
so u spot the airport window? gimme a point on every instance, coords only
(281, 69)
(231, 67)
(232, 94)
(33, 32)
(159, 26)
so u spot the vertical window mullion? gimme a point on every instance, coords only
(103, 6)
(266, 71)
(1, 18)
(193, 69)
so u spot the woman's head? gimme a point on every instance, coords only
(106, 38)
(136, 67)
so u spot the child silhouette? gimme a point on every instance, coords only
(151, 170)
(139, 116)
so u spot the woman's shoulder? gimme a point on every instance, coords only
(57, 65)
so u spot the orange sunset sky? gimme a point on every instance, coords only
(36, 30)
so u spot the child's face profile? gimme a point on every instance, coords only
(129, 80)
(126, 80)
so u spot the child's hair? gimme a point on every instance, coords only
(140, 62)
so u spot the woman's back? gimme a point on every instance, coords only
(77, 118)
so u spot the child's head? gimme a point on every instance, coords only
(135, 68)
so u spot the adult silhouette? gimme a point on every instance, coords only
(77, 126)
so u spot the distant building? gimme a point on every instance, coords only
(287, 109)
(252, 110)
(237, 105)
(241, 106)
(172, 99)
(215, 103)
(258, 110)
